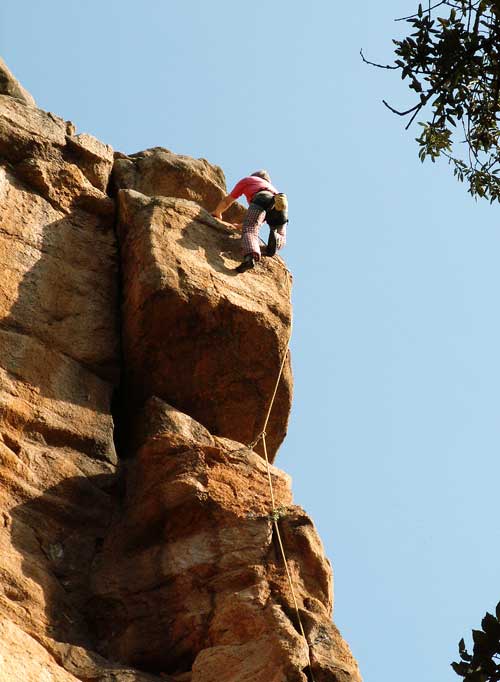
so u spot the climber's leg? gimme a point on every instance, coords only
(271, 242)
(277, 239)
(281, 236)
(254, 218)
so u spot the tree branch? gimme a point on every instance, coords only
(412, 16)
(416, 108)
(414, 116)
(379, 66)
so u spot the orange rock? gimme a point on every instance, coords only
(160, 172)
(205, 339)
(58, 317)
(10, 86)
(59, 364)
(23, 658)
(193, 561)
(170, 562)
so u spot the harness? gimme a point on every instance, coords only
(275, 206)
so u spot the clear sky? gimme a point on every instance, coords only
(394, 437)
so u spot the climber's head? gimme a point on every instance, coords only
(262, 174)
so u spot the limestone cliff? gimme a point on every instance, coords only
(136, 539)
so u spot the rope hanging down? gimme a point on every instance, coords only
(274, 513)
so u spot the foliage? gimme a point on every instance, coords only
(484, 663)
(452, 65)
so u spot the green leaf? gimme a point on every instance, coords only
(452, 69)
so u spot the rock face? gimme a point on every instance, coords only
(59, 363)
(159, 561)
(160, 172)
(195, 333)
(193, 561)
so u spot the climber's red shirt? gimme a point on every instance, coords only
(249, 186)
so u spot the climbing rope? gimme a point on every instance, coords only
(275, 512)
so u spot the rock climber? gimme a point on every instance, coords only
(265, 203)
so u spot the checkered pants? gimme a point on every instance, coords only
(252, 222)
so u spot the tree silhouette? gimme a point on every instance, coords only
(483, 665)
(452, 64)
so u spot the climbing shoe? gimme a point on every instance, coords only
(271, 242)
(247, 264)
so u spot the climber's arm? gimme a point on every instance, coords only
(222, 206)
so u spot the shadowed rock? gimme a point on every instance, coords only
(58, 310)
(193, 561)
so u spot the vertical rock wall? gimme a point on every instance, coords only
(163, 565)
(196, 333)
(59, 362)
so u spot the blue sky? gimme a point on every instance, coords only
(393, 442)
